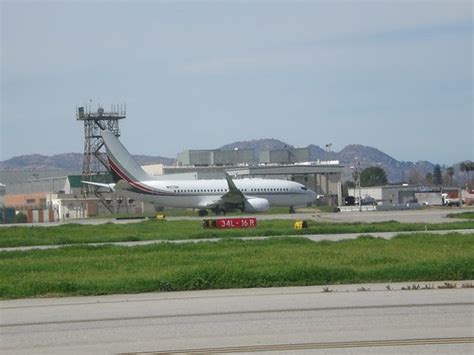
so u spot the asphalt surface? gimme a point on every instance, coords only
(355, 319)
(313, 237)
(409, 216)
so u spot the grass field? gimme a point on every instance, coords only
(234, 264)
(466, 215)
(174, 230)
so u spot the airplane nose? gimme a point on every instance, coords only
(311, 196)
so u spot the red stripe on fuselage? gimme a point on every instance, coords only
(130, 181)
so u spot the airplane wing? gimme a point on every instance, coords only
(235, 199)
(234, 195)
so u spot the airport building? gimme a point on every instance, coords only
(242, 157)
(216, 157)
(396, 195)
(385, 195)
(285, 156)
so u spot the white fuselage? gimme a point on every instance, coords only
(252, 195)
(200, 193)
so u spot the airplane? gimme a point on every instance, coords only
(218, 196)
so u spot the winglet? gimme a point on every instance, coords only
(230, 182)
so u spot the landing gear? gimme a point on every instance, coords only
(220, 211)
(292, 210)
(202, 213)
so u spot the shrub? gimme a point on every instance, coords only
(20, 217)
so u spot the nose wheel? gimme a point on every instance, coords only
(292, 210)
(202, 213)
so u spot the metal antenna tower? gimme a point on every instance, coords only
(95, 166)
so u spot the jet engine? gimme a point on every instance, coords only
(256, 204)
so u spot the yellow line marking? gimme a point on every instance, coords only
(314, 346)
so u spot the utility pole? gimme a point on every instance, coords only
(328, 147)
(358, 180)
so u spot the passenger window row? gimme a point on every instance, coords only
(225, 190)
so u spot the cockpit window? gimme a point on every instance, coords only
(304, 188)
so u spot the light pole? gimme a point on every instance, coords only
(358, 181)
(328, 147)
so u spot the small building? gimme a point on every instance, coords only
(436, 196)
(385, 195)
(468, 197)
(26, 201)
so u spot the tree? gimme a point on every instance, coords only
(20, 217)
(373, 176)
(437, 178)
(466, 167)
(429, 178)
(414, 177)
(450, 172)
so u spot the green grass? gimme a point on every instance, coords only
(174, 230)
(234, 264)
(465, 215)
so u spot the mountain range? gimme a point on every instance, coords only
(351, 156)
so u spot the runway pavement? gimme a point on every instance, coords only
(317, 320)
(408, 216)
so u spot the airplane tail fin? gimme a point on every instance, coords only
(123, 165)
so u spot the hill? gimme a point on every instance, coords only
(66, 162)
(351, 156)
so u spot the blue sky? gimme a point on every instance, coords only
(396, 75)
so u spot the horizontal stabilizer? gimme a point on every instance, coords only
(98, 184)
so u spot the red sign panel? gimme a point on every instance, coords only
(236, 223)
